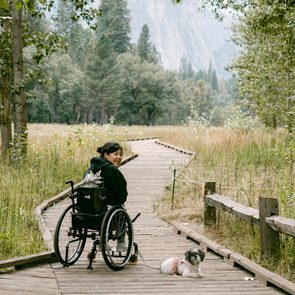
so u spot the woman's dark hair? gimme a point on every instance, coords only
(109, 147)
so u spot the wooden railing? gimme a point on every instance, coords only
(267, 217)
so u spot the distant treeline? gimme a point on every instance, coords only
(100, 76)
(56, 70)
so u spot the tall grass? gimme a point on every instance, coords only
(54, 156)
(244, 165)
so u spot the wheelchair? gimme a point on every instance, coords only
(89, 217)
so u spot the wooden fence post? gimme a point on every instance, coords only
(269, 239)
(209, 211)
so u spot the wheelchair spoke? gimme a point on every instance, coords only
(117, 238)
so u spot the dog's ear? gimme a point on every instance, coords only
(202, 254)
(188, 255)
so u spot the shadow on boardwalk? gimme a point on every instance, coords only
(147, 176)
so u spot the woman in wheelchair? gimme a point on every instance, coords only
(97, 212)
(105, 167)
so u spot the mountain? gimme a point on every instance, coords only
(181, 30)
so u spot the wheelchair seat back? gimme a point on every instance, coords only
(91, 198)
(90, 206)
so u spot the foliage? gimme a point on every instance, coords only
(147, 90)
(272, 66)
(240, 119)
(114, 24)
(85, 77)
(101, 87)
(23, 14)
(265, 34)
(185, 70)
(145, 49)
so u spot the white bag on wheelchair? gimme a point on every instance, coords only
(93, 178)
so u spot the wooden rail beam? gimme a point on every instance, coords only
(267, 218)
(282, 225)
(245, 213)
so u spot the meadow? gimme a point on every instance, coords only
(244, 164)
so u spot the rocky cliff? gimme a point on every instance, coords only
(181, 30)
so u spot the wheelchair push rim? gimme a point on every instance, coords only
(116, 228)
(69, 242)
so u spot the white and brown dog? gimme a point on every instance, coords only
(188, 267)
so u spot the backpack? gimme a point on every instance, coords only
(91, 195)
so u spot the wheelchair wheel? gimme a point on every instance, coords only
(69, 242)
(116, 228)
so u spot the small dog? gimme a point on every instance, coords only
(188, 267)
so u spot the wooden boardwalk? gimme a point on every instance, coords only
(147, 176)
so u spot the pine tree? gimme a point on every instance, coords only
(145, 49)
(112, 39)
(214, 81)
(114, 23)
(185, 70)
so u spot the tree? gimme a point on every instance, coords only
(21, 115)
(185, 69)
(214, 81)
(161, 92)
(64, 95)
(114, 23)
(145, 49)
(266, 65)
(147, 90)
(5, 81)
(112, 39)
(100, 90)
(16, 8)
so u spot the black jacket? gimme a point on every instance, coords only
(115, 182)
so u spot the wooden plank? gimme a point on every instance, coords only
(245, 213)
(170, 146)
(277, 223)
(263, 274)
(25, 260)
(30, 280)
(281, 224)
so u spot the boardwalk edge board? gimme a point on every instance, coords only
(48, 256)
(144, 138)
(18, 262)
(261, 274)
(170, 146)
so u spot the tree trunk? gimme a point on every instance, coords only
(5, 121)
(21, 116)
(5, 112)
